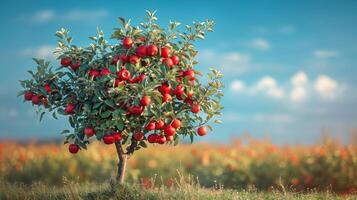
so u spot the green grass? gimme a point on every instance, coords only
(71, 190)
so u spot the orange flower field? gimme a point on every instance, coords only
(257, 163)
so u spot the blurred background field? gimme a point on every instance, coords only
(327, 165)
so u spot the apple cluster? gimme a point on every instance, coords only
(142, 89)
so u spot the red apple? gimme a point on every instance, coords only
(165, 88)
(168, 62)
(105, 71)
(169, 130)
(139, 136)
(75, 66)
(150, 126)
(137, 110)
(47, 87)
(175, 59)
(124, 58)
(28, 96)
(141, 78)
(152, 50)
(189, 101)
(70, 108)
(145, 101)
(179, 91)
(202, 131)
(65, 62)
(93, 73)
(142, 51)
(166, 98)
(123, 74)
(73, 148)
(161, 139)
(108, 139)
(115, 60)
(159, 124)
(195, 108)
(165, 52)
(152, 138)
(176, 123)
(190, 73)
(89, 131)
(44, 101)
(117, 136)
(127, 42)
(134, 59)
(35, 99)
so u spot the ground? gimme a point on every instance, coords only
(71, 190)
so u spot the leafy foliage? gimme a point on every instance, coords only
(101, 86)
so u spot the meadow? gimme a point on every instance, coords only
(326, 168)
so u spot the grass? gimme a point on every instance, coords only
(184, 190)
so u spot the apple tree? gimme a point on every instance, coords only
(143, 88)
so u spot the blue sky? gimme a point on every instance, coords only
(289, 67)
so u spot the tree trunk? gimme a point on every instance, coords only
(123, 158)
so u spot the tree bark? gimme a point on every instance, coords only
(123, 158)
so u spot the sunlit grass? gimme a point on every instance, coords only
(183, 190)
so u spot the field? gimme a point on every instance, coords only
(255, 169)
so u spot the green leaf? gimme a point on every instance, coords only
(120, 126)
(110, 103)
(65, 132)
(41, 116)
(61, 111)
(118, 113)
(54, 115)
(176, 140)
(143, 144)
(191, 138)
(105, 114)
(71, 121)
(97, 105)
(217, 121)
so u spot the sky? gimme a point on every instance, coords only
(289, 66)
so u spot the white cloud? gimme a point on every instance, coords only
(260, 43)
(269, 86)
(44, 16)
(298, 94)
(44, 51)
(266, 85)
(299, 79)
(299, 87)
(237, 86)
(229, 62)
(325, 54)
(326, 87)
